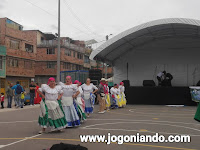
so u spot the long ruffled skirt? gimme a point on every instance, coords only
(123, 99)
(80, 108)
(197, 115)
(88, 106)
(71, 116)
(52, 115)
(108, 103)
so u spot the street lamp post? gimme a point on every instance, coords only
(106, 68)
(58, 54)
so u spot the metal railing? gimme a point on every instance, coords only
(54, 43)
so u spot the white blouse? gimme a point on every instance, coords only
(114, 91)
(81, 91)
(122, 89)
(68, 90)
(51, 93)
(87, 89)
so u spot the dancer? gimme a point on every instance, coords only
(101, 96)
(88, 90)
(70, 92)
(118, 97)
(51, 113)
(107, 95)
(197, 114)
(114, 93)
(123, 97)
(79, 102)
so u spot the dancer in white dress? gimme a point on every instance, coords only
(51, 113)
(70, 92)
(123, 96)
(114, 93)
(79, 103)
(88, 89)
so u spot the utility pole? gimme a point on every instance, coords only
(58, 54)
(106, 68)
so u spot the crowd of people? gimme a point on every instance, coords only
(69, 104)
(18, 93)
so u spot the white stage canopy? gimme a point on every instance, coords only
(167, 44)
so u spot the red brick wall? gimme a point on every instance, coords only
(29, 37)
(20, 70)
(41, 69)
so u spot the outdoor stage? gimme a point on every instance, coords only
(159, 96)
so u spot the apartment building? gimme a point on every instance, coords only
(20, 52)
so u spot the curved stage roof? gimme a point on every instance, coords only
(146, 33)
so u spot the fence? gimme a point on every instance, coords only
(80, 75)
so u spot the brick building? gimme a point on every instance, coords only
(20, 52)
(33, 54)
(73, 56)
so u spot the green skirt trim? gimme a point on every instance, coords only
(197, 115)
(82, 115)
(45, 121)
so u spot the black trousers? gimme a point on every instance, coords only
(2, 104)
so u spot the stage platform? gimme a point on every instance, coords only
(159, 96)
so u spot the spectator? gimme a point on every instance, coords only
(32, 92)
(37, 95)
(18, 90)
(10, 95)
(23, 98)
(2, 100)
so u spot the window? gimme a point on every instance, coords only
(29, 48)
(1, 62)
(13, 62)
(28, 64)
(80, 56)
(50, 51)
(67, 52)
(14, 44)
(73, 67)
(67, 65)
(79, 67)
(51, 65)
(74, 54)
(86, 59)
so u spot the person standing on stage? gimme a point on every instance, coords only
(101, 97)
(51, 112)
(88, 89)
(32, 92)
(70, 92)
(114, 94)
(168, 79)
(161, 78)
(122, 90)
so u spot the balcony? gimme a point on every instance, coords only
(66, 44)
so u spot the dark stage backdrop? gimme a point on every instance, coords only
(159, 96)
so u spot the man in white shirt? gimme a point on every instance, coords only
(161, 77)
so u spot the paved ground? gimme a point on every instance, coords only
(18, 124)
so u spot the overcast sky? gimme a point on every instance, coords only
(88, 19)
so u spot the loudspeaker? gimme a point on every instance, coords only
(126, 83)
(149, 83)
(95, 74)
(198, 83)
